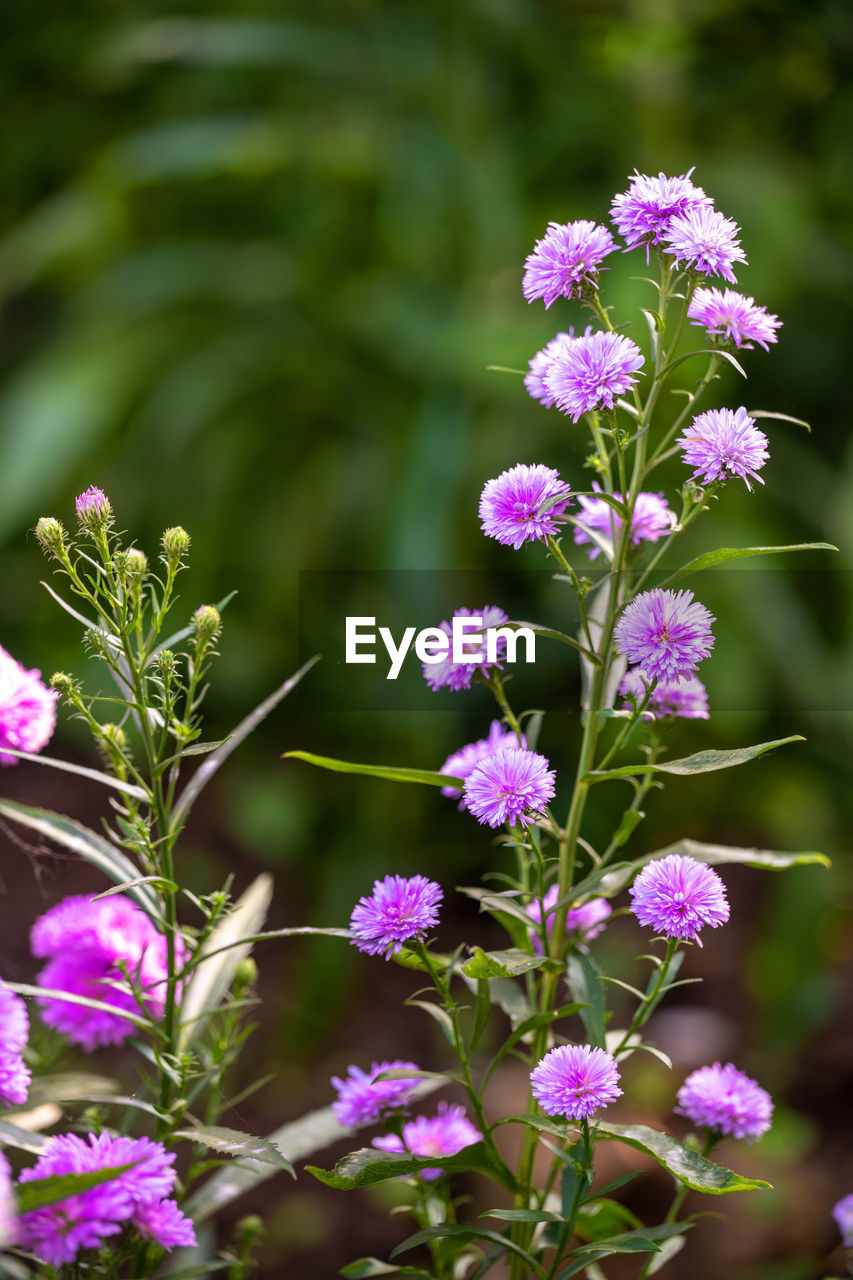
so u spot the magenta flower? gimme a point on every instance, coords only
(534, 380)
(643, 213)
(667, 633)
(460, 764)
(27, 709)
(57, 1233)
(575, 1080)
(440, 1135)
(585, 922)
(720, 442)
(511, 786)
(511, 505)
(8, 1228)
(565, 262)
(399, 910)
(724, 1099)
(93, 508)
(14, 1032)
(651, 519)
(448, 674)
(685, 696)
(842, 1212)
(678, 896)
(705, 241)
(591, 372)
(362, 1099)
(100, 950)
(723, 313)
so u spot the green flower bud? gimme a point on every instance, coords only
(137, 561)
(246, 974)
(63, 684)
(207, 622)
(51, 534)
(176, 544)
(166, 665)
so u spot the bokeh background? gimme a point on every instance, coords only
(255, 261)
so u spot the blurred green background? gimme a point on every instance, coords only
(255, 259)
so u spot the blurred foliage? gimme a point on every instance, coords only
(254, 262)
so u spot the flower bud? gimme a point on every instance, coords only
(137, 561)
(115, 735)
(93, 509)
(51, 534)
(176, 544)
(207, 622)
(166, 665)
(62, 682)
(246, 974)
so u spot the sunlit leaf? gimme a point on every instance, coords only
(391, 773)
(702, 762)
(688, 1167)
(367, 1166)
(724, 554)
(243, 1146)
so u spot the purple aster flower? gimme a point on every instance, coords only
(455, 676)
(724, 1099)
(729, 315)
(14, 1031)
(92, 949)
(27, 709)
(842, 1212)
(586, 921)
(460, 764)
(667, 633)
(566, 261)
(362, 1099)
(685, 696)
(511, 505)
(705, 241)
(57, 1233)
(642, 214)
(677, 896)
(534, 380)
(8, 1230)
(399, 910)
(591, 372)
(440, 1135)
(510, 786)
(720, 442)
(574, 1080)
(651, 519)
(93, 508)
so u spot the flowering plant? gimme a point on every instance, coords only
(141, 1177)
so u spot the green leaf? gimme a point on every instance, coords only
(457, 1231)
(780, 417)
(243, 1146)
(551, 634)
(12, 1135)
(367, 1166)
(762, 859)
(390, 772)
(604, 1218)
(132, 884)
(706, 351)
(501, 964)
(95, 775)
(42, 1192)
(441, 1016)
(48, 993)
(498, 902)
(701, 762)
(585, 984)
(522, 1215)
(86, 844)
(643, 1240)
(687, 1167)
(720, 556)
(365, 1267)
(205, 771)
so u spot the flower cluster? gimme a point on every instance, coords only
(362, 1098)
(650, 520)
(14, 1031)
(461, 763)
(107, 950)
(727, 1101)
(583, 923)
(27, 709)
(399, 910)
(511, 506)
(137, 1197)
(678, 896)
(575, 1081)
(643, 214)
(443, 1134)
(685, 696)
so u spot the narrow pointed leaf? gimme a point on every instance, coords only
(48, 993)
(501, 964)
(133, 884)
(243, 1146)
(723, 554)
(391, 773)
(363, 1268)
(780, 417)
(59, 1186)
(702, 762)
(762, 859)
(367, 1166)
(13, 1135)
(687, 1167)
(82, 771)
(468, 1233)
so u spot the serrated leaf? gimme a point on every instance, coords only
(723, 554)
(702, 762)
(687, 1167)
(391, 773)
(243, 1146)
(584, 979)
(501, 964)
(42, 1192)
(367, 1166)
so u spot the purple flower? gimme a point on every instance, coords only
(705, 241)
(842, 1212)
(510, 786)
(511, 505)
(667, 633)
(685, 696)
(586, 921)
(456, 676)
(650, 520)
(591, 372)
(729, 315)
(677, 896)
(362, 1100)
(98, 949)
(574, 1080)
(440, 1135)
(724, 1099)
(534, 380)
(56, 1234)
(643, 213)
(399, 910)
(720, 442)
(8, 1230)
(14, 1031)
(27, 709)
(566, 261)
(93, 508)
(460, 764)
